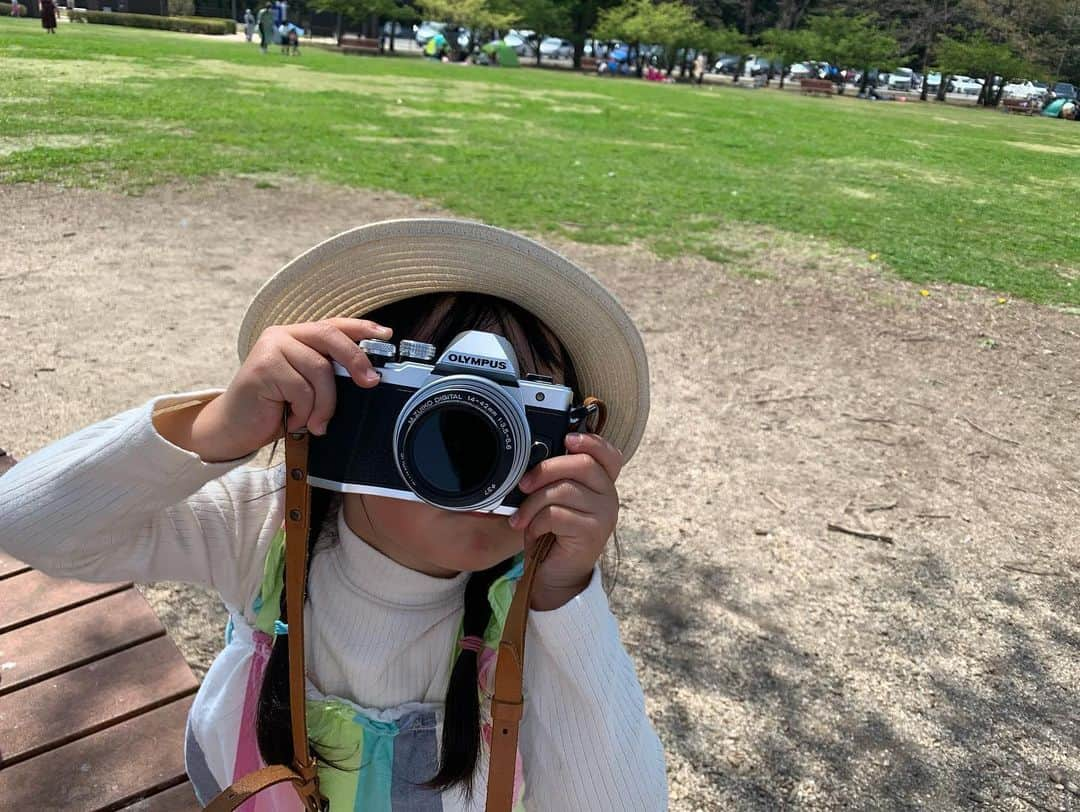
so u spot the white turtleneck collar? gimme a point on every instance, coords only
(381, 578)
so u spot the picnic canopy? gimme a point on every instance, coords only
(502, 53)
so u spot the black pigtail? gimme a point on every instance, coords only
(461, 720)
(273, 724)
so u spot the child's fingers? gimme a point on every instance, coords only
(330, 340)
(297, 393)
(578, 467)
(564, 522)
(599, 449)
(565, 492)
(319, 374)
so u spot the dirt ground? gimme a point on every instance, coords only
(786, 665)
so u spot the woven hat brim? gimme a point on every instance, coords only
(364, 268)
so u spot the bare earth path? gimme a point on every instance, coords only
(786, 665)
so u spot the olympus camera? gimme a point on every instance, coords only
(458, 431)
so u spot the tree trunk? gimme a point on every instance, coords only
(1000, 91)
(337, 30)
(781, 75)
(638, 59)
(748, 15)
(943, 88)
(393, 34)
(925, 64)
(864, 81)
(540, 39)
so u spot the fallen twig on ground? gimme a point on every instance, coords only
(933, 516)
(786, 398)
(773, 502)
(1016, 568)
(873, 508)
(861, 534)
(977, 427)
(884, 420)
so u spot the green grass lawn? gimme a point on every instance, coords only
(940, 193)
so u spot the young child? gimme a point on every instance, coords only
(405, 601)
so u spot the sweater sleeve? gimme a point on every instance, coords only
(117, 501)
(585, 738)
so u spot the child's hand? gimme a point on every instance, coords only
(289, 365)
(574, 497)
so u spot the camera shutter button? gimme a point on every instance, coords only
(539, 453)
(379, 353)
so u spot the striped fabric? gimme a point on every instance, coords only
(373, 760)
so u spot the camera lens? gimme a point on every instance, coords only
(461, 443)
(454, 450)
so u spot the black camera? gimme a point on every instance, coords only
(458, 432)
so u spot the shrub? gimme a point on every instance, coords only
(189, 25)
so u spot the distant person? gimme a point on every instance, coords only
(249, 24)
(14, 8)
(292, 41)
(281, 12)
(698, 71)
(48, 16)
(435, 47)
(266, 26)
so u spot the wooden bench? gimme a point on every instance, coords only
(588, 63)
(360, 45)
(823, 86)
(93, 698)
(1023, 106)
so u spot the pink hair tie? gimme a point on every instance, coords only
(471, 643)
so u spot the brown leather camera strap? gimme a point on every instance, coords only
(508, 702)
(303, 772)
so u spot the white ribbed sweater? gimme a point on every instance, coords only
(116, 501)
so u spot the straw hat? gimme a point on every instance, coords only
(367, 267)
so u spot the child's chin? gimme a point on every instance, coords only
(482, 550)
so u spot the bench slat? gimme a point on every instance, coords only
(180, 798)
(75, 637)
(52, 712)
(119, 764)
(10, 566)
(33, 595)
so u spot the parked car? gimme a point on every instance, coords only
(519, 43)
(1063, 90)
(427, 30)
(556, 48)
(801, 70)
(397, 28)
(1028, 91)
(727, 64)
(966, 85)
(758, 65)
(901, 79)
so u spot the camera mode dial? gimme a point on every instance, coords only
(416, 351)
(378, 352)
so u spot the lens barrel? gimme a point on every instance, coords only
(462, 443)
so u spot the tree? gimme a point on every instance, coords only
(854, 42)
(671, 25)
(359, 10)
(476, 15)
(978, 56)
(546, 18)
(786, 47)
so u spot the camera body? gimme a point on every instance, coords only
(458, 432)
